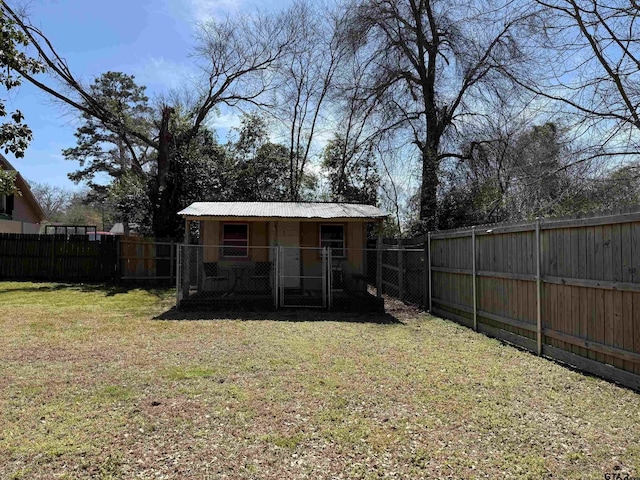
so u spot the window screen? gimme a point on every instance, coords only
(332, 236)
(235, 240)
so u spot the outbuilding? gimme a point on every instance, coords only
(296, 252)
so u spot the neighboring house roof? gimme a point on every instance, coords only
(23, 186)
(300, 210)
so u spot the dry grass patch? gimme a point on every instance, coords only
(93, 384)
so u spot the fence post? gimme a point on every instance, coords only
(281, 281)
(118, 272)
(177, 275)
(400, 271)
(326, 275)
(172, 268)
(276, 273)
(425, 286)
(429, 268)
(538, 290)
(379, 267)
(327, 283)
(185, 260)
(199, 254)
(54, 267)
(473, 280)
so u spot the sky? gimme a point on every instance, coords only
(150, 39)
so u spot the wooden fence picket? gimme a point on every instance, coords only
(56, 257)
(580, 306)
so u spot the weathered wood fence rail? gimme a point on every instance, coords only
(567, 289)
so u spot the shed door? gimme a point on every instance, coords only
(289, 237)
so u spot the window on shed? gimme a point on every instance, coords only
(235, 240)
(332, 236)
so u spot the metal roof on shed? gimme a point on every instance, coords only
(282, 210)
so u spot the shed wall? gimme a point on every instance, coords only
(261, 235)
(211, 234)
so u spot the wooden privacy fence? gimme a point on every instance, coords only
(57, 257)
(142, 259)
(80, 258)
(566, 289)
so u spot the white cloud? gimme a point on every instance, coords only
(160, 74)
(202, 10)
(224, 122)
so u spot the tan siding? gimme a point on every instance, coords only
(310, 234)
(272, 229)
(211, 236)
(354, 243)
(310, 237)
(259, 237)
(354, 233)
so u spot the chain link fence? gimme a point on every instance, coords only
(220, 276)
(403, 273)
(344, 279)
(303, 277)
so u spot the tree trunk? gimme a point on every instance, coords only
(429, 190)
(161, 199)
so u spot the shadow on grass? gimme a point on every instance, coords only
(30, 288)
(285, 315)
(107, 289)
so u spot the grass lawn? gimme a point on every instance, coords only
(102, 383)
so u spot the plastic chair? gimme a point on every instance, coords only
(212, 274)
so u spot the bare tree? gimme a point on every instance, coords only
(431, 64)
(305, 82)
(590, 68)
(234, 55)
(53, 199)
(355, 139)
